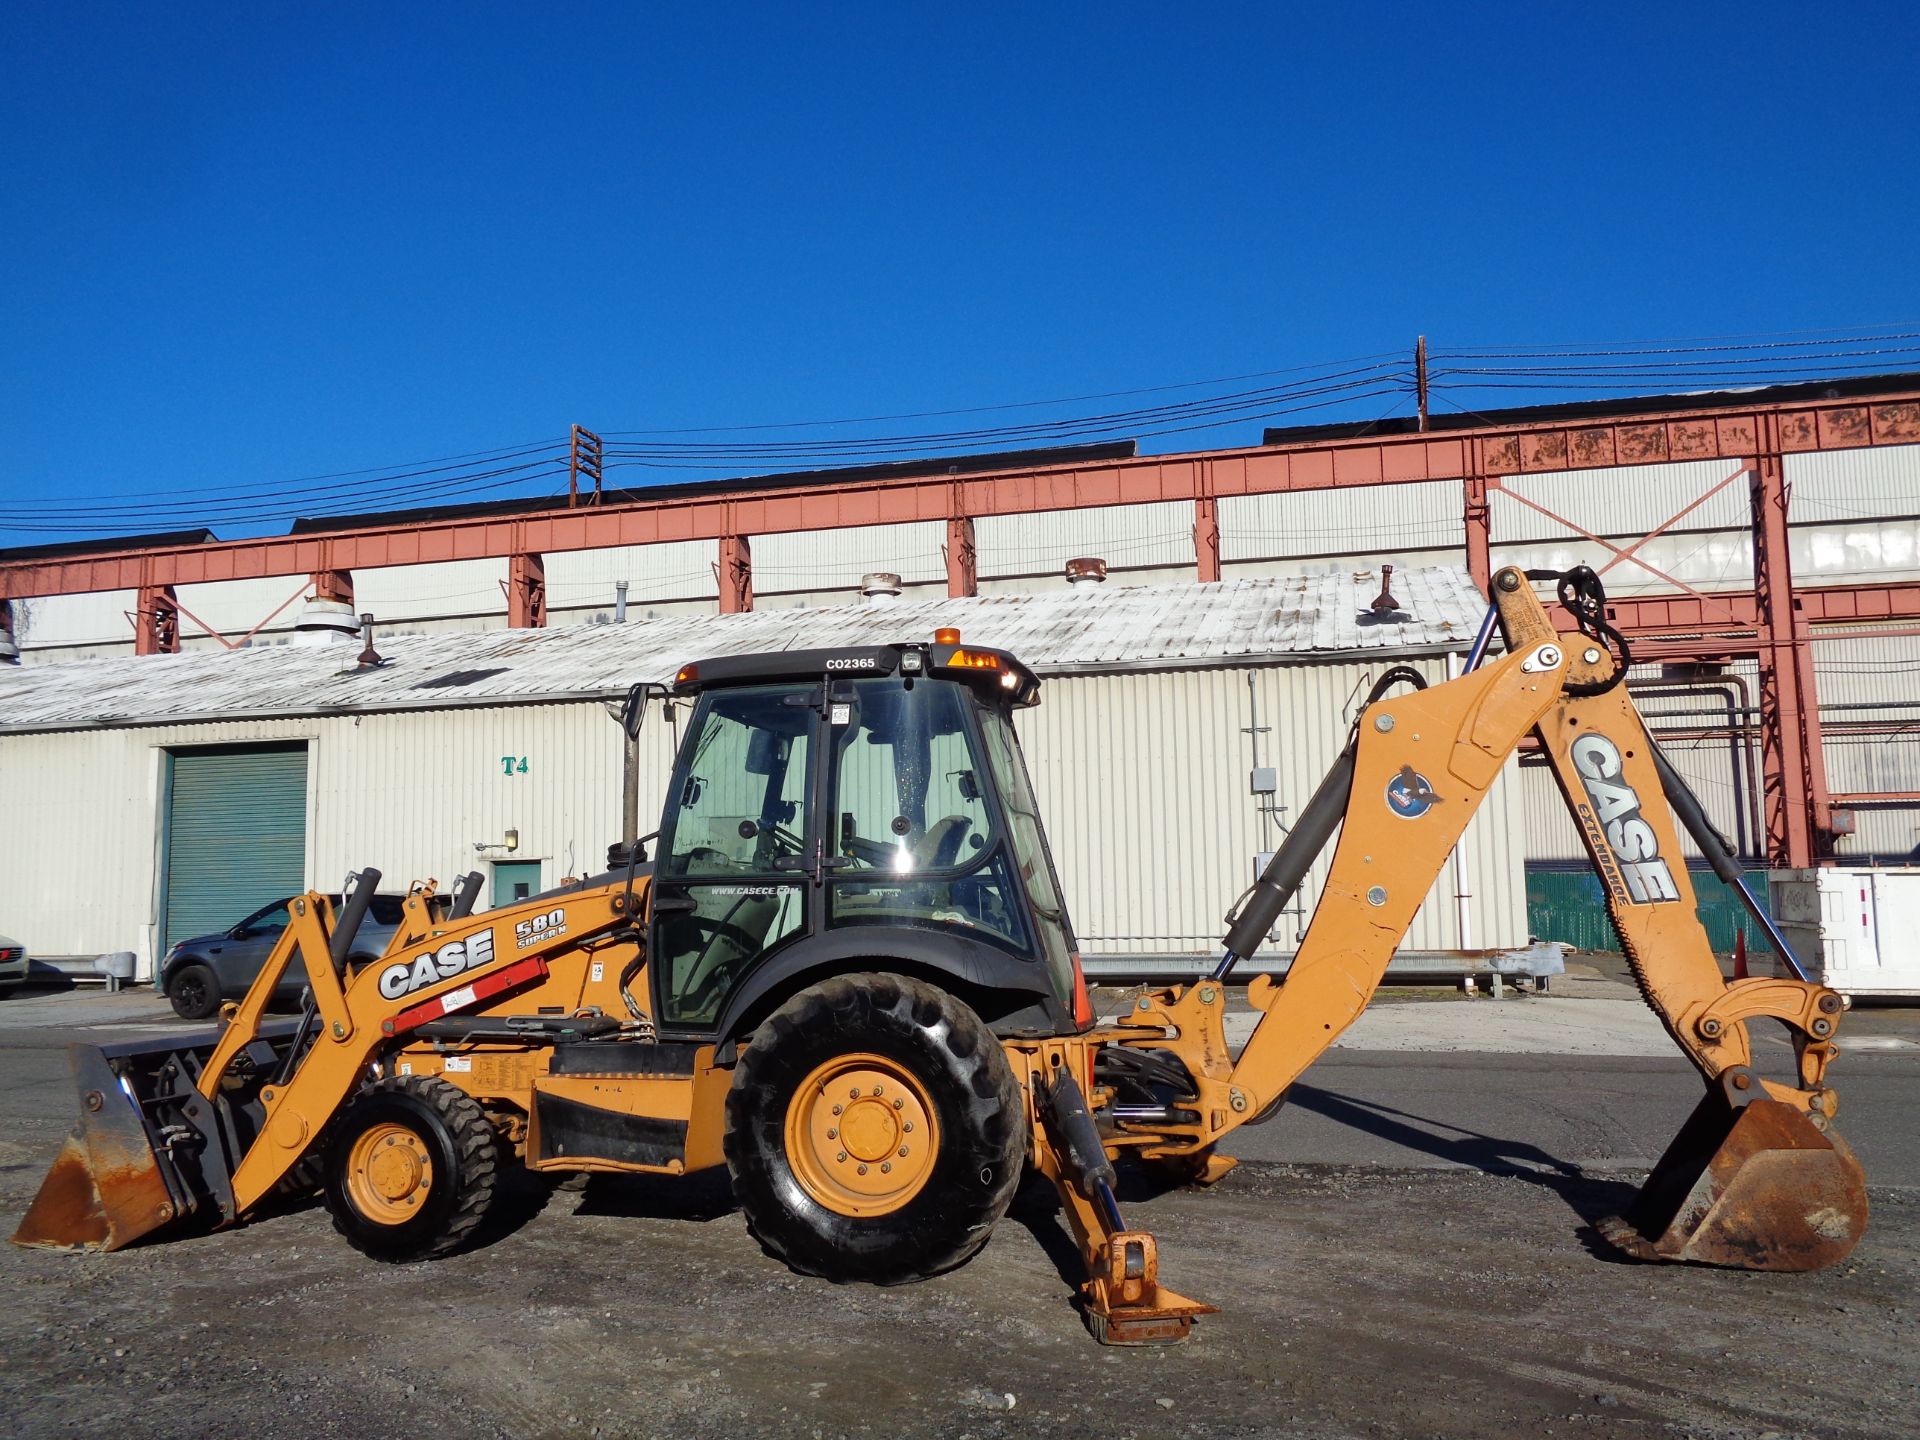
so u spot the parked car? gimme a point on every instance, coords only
(197, 975)
(13, 965)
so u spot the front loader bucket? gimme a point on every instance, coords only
(107, 1186)
(1750, 1187)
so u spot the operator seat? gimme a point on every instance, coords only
(939, 848)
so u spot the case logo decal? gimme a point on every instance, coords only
(1623, 843)
(407, 976)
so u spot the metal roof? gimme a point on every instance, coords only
(1091, 629)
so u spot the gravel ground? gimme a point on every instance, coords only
(1355, 1302)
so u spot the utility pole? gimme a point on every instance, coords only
(583, 459)
(1420, 379)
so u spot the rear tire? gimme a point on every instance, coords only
(409, 1169)
(885, 1200)
(194, 991)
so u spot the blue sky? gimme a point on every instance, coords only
(247, 244)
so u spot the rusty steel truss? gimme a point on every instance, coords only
(1772, 622)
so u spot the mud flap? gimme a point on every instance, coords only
(1748, 1186)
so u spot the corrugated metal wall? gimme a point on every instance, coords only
(1379, 522)
(678, 570)
(411, 794)
(834, 560)
(1127, 537)
(1143, 781)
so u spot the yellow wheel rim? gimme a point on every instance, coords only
(389, 1173)
(861, 1135)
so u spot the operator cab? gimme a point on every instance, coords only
(830, 807)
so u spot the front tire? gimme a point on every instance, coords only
(409, 1169)
(875, 1131)
(194, 991)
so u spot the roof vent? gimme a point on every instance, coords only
(370, 658)
(326, 622)
(1086, 570)
(1384, 603)
(882, 587)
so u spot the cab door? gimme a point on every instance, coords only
(738, 848)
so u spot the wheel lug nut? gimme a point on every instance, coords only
(841, 1157)
(863, 1169)
(854, 1094)
(886, 1167)
(903, 1152)
(833, 1134)
(899, 1104)
(878, 1088)
(908, 1126)
(837, 1109)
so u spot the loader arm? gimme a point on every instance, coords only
(184, 1131)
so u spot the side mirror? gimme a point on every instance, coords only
(633, 714)
(239, 932)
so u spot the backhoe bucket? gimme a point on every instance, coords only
(107, 1187)
(1751, 1187)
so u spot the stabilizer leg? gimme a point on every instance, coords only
(1122, 1299)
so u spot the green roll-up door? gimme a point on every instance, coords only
(236, 834)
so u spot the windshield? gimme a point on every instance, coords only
(908, 790)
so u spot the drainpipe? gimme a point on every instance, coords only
(619, 602)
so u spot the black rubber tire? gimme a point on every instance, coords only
(461, 1145)
(982, 1123)
(194, 991)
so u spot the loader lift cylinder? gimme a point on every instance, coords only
(354, 912)
(466, 893)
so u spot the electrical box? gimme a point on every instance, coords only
(1265, 780)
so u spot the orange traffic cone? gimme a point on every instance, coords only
(1739, 954)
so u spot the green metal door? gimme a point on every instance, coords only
(236, 834)
(514, 880)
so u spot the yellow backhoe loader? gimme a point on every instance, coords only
(848, 975)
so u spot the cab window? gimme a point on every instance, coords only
(743, 798)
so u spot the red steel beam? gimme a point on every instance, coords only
(1730, 434)
(1206, 538)
(963, 558)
